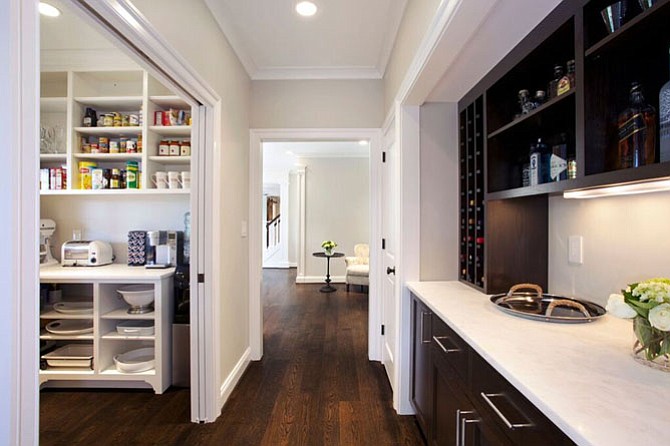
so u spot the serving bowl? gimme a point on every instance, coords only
(139, 297)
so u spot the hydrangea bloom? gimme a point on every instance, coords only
(657, 290)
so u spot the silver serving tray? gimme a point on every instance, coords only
(547, 307)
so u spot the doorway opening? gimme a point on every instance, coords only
(326, 182)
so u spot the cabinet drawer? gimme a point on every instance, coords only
(521, 421)
(449, 347)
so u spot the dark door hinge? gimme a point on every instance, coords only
(383, 243)
(383, 157)
(383, 327)
(201, 278)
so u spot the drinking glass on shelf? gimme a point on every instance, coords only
(59, 139)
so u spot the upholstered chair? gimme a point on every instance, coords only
(358, 266)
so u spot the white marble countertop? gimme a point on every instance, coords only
(581, 376)
(112, 272)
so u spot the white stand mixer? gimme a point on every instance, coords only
(47, 229)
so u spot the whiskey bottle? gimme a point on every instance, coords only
(664, 119)
(553, 85)
(637, 131)
(567, 81)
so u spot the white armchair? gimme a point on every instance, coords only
(358, 266)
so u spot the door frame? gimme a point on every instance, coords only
(257, 138)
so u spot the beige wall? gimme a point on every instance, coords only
(191, 30)
(337, 207)
(418, 15)
(439, 192)
(625, 241)
(317, 104)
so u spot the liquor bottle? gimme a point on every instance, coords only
(558, 162)
(553, 85)
(534, 166)
(637, 131)
(538, 170)
(664, 119)
(90, 118)
(571, 73)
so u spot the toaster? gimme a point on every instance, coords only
(86, 253)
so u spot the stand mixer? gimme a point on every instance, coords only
(47, 229)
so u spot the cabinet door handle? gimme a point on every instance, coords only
(487, 397)
(423, 317)
(461, 425)
(437, 339)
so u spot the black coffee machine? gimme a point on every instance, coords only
(182, 294)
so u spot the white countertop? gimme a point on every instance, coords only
(114, 271)
(581, 376)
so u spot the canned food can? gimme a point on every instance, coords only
(185, 148)
(123, 141)
(125, 121)
(131, 146)
(174, 148)
(164, 148)
(95, 148)
(108, 120)
(103, 144)
(113, 146)
(133, 119)
(117, 119)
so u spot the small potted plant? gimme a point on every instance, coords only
(648, 304)
(328, 246)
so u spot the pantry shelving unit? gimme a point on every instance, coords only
(516, 235)
(99, 287)
(66, 95)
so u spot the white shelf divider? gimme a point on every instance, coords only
(111, 103)
(112, 131)
(183, 131)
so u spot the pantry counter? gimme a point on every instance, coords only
(113, 272)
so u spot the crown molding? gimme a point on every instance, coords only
(222, 16)
(394, 20)
(306, 73)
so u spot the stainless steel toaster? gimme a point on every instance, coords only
(86, 253)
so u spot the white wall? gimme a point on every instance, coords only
(109, 218)
(439, 191)
(317, 104)
(293, 219)
(337, 208)
(625, 241)
(191, 29)
(415, 21)
(507, 24)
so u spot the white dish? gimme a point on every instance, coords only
(136, 361)
(70, 327)
(70, 355)
(135, 328)
(74, 307)
(138, 296)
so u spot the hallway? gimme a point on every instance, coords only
(314, 386)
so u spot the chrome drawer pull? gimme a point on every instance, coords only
(461, 423)
(423, 316)
(444, 349)
(487, 397)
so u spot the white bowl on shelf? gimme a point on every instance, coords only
(139, 297)
(136, 361)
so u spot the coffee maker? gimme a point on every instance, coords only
(164, 249)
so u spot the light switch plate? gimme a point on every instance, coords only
(575, 249)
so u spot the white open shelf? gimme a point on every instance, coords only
(111, 371)
(172, 130)
(115, 192)
(169, 101)
(45, 335)
(111, 103)
(113, 335)
(170, 159)
(53, 314)
(112, 131)
(122, 313)
(111, 157)
(67, 372)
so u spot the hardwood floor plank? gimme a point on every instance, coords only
(314, 386)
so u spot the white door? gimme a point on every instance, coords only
(389, 251)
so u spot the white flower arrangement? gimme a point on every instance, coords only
(648, 304)
(328, 245)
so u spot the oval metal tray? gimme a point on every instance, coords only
(536, 306)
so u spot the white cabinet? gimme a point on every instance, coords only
(64, 98)
(98, 286)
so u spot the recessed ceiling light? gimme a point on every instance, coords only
(363, 142)
(48, 10)
(305, 9)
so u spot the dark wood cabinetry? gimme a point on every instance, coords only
(465, 401)
(585, 117)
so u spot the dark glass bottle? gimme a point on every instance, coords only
(90, 118)
(553, 85)
(637, 131)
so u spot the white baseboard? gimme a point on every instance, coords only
(273, 264)
(233, 378)
(292, 264)
(318, 279)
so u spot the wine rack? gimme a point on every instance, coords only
(472, 213)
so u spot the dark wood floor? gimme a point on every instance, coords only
(314, 386)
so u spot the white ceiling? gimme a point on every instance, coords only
(286, 155)
(68, 31)
(346, 39)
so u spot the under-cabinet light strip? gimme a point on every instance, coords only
(643, 187)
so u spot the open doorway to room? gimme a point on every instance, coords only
(324, 184)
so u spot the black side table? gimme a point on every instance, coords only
(328, 288)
